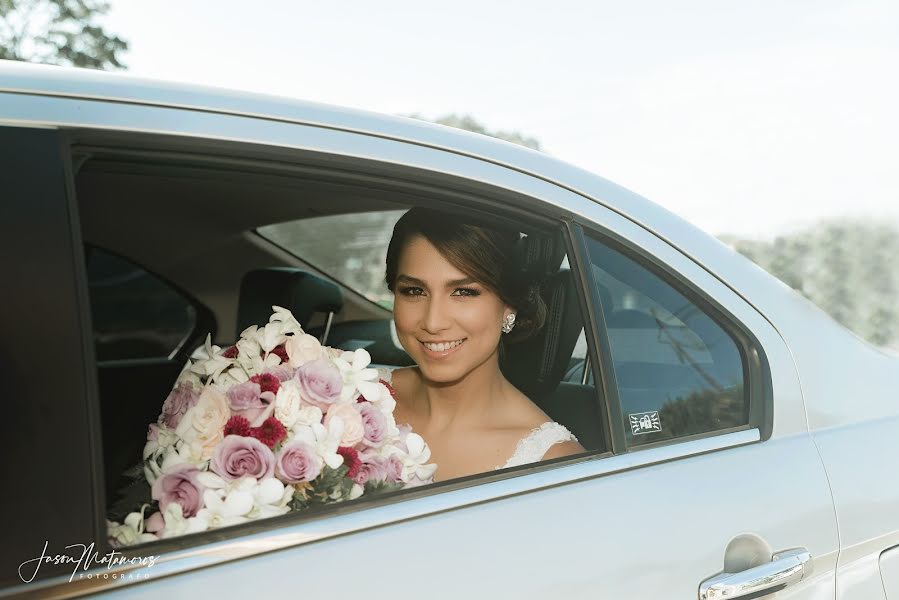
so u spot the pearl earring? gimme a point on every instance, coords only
(508, 323)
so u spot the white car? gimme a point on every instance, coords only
(741, 443)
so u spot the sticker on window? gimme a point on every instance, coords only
(647, 422)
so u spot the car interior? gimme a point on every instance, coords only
(186, 226)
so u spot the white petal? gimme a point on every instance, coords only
(211, 480)
(237, 503)
(212, 501)
(270, 491)
(134, 520)
(361, 359)
(369, 390)
(415, 444)
(367, 374)
(333, 460)
(197, 524)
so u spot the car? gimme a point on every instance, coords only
(740, 443)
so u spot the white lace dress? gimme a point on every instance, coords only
(532, 447)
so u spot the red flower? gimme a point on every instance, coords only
(230, 352)
(237, 425)
(389, 388)
(270, 432)
(267, 382)
(350, 459)
(281, 351)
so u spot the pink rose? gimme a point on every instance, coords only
(237, 456)
(180, 484)
(282, 372)
(374, 422)
(249, 401)
(320, 383)
(393, 467)
(178, 402)
(374, 468)
(353, 430)
(155, 524)
(297, 462)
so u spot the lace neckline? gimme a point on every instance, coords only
(533, 446)
(537, 442)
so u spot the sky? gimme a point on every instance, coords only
(747, 118)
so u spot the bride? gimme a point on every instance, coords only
(458, 296)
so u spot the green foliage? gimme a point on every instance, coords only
(59, 32)
(469, 123)
(375, 487)
(331, 486)
(848, 268)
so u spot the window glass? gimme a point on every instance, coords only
(135, 314)
(679, 372)
(350, 248)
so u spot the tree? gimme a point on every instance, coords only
(59, 32)
(846, 267)
(469, 123)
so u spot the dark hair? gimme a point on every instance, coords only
(488, 254)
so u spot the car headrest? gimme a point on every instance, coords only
(537, 365)
(302, 293)
(541, 255)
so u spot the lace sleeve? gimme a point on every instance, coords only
(533, 446)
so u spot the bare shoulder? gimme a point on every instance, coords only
(403, 381)
(527, 414)
(563, 449)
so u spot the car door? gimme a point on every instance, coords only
(51, 447)
(650, 519)
(633, 521)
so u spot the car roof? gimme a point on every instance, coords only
(47, 80)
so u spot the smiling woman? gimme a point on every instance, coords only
(460, 290)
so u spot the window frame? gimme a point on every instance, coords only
(757, 371)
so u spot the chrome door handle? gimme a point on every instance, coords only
(786, 568)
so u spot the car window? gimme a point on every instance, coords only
(549, 368)
(135, 314)
(679, 371)
(350, 248)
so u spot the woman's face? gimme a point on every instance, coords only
(448, 323)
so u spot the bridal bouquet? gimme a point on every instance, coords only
(273, 424)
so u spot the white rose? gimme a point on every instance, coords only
(204, 422)
(302, 349)
(287, 403)
(353, 428)
(309, 415)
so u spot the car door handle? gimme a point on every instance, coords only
(786, 568)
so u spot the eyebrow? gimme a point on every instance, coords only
(403, 278)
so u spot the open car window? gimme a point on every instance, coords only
(245, 381)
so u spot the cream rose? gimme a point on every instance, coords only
(309, 415)
(302, 349)
(287, 403)
(203, 425)
(353, 427)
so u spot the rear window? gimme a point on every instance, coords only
(349, 248)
